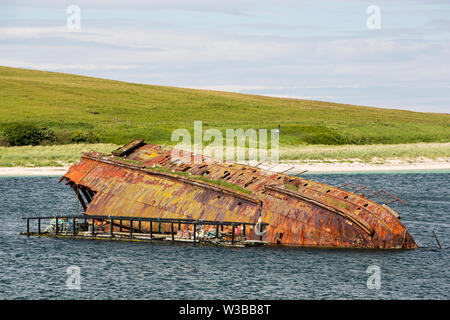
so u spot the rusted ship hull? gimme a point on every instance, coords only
(143, 180)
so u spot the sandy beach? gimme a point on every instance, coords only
(32, 171)
(348, 167)
(288, 167)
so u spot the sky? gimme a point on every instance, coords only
(397, 56)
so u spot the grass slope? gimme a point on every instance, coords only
(60, 155)
(121, 111)
(48, 156)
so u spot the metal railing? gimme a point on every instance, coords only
(118, 221)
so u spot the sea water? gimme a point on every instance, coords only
(41, 268)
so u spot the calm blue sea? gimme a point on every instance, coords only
(36, 268)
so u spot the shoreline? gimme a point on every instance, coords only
(32, 171)
(389, 166)
(311, 168)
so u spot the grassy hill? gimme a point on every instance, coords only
(119, 111)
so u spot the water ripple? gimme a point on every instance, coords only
(35, 268)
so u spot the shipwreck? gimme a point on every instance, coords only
(141, 190)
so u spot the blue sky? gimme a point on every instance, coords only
(320, 50)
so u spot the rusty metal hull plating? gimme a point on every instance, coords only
(299, 212)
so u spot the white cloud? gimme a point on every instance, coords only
(215, 58)
(221, 58)
(227, 7)
(317, 98)
(46, 66)
(360, 56)
(29, 32)
(62, 67)
(119, 67)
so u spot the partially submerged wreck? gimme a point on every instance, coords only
(142, 180)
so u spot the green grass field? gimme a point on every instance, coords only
(120, 112)
(376, 153)
(63, 155)
(48, 156)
